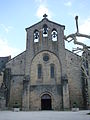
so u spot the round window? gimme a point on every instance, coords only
(46, 57)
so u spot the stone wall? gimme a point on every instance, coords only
(2, 103)
(36, 91)
(89, 77)
(46, 77)
(65, 88)
(17, 74)
(3, 90)
(74, 79)
(45, 44)
(17, 64)
(16, 91)
(3, 61)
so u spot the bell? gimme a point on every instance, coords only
(54, 34)
(45, 32)
(36, 35)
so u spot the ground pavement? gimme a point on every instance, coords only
(44, 115)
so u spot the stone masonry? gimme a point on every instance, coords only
(46, 76)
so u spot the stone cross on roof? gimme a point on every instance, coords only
(45, 15)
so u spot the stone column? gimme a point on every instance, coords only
(25, 95)
(65, 90)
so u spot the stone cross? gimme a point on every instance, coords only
(45, 15)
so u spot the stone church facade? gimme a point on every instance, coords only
(46, 76)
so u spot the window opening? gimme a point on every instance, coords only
(46, 57)
(36, 36)
(52, 71)
(45, 31)
(39, 71)
(54, 35)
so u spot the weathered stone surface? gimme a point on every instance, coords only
(36, 91)
(74, 78)
(25, 88)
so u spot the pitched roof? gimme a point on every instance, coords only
(47, 21)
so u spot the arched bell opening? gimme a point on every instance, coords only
(36, 36)
(54, 35)
(45, 31)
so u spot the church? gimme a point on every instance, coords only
(46, 76)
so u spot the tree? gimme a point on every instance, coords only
(84, 58)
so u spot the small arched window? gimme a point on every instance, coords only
(39, 71)
(45, 31)
(36, 36)
(54, 35)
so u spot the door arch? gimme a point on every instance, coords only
(46, 102)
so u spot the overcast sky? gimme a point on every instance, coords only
(16, 15)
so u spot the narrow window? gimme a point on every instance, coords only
(39, 71)
(54, 35)
(36, 36)
(52, 71)
(45, 31)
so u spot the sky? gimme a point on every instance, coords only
(16, 15)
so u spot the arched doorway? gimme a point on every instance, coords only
(46, 102)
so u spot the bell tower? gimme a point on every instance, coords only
(46, 38)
